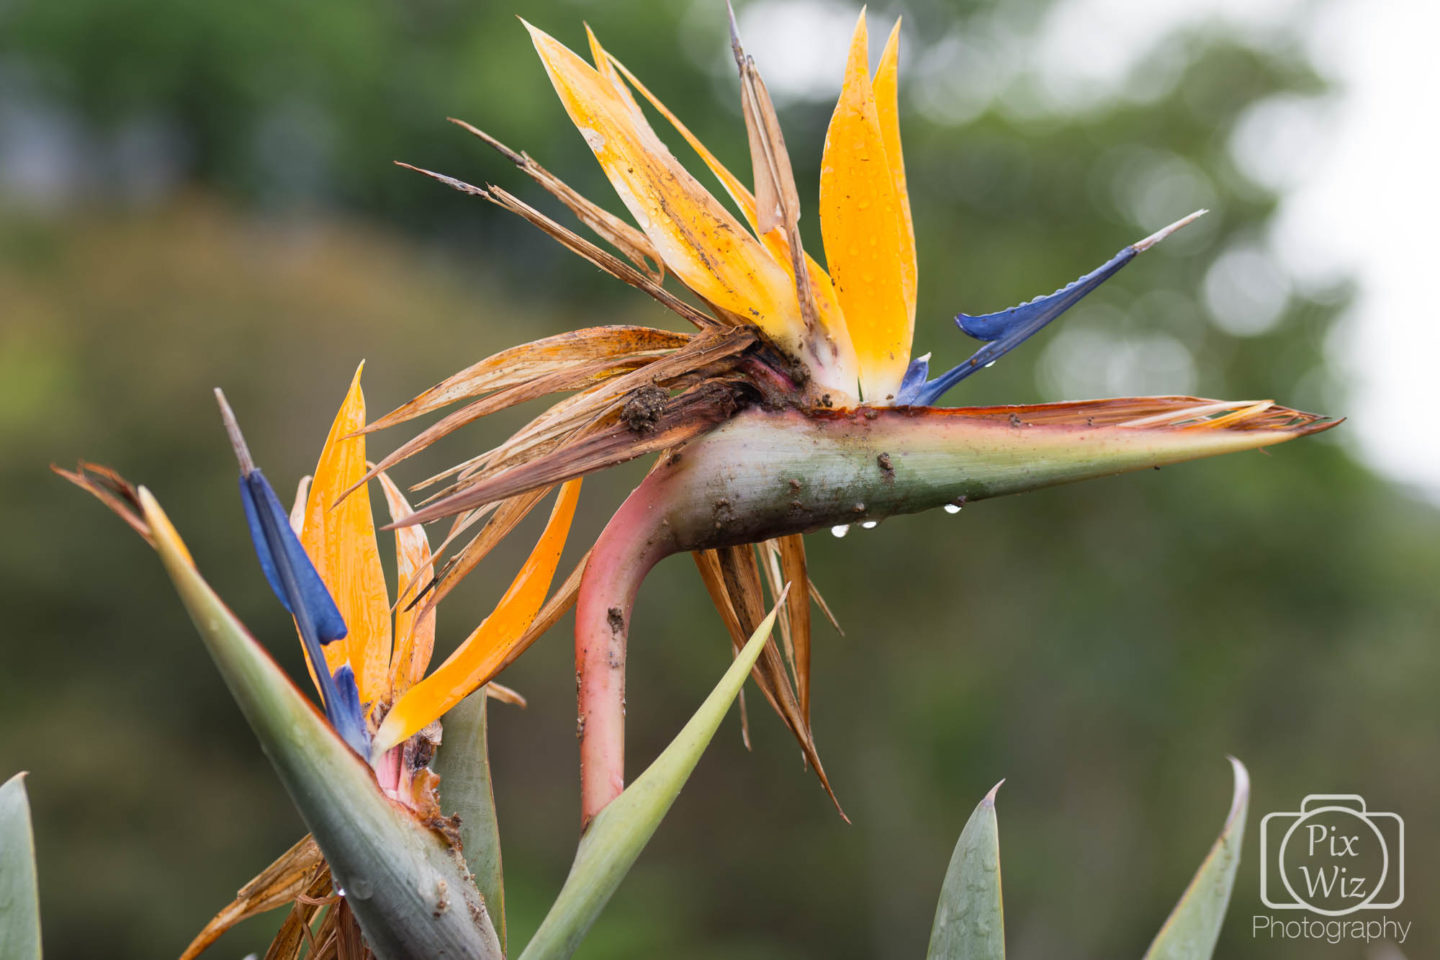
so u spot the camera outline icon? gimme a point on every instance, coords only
(1349, 804)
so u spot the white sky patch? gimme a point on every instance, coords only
(800, 46)
(1370, 209)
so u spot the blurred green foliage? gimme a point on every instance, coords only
(1102, 645)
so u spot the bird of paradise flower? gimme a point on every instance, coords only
(367, 657)
(795, 405)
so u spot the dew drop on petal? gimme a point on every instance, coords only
(870, 524)
(952, 508)
(840, 530)
(990, 364)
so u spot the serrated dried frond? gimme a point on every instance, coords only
(507, 517)
(777, 202)
(797, 612)
(599, 412)
(535, 359)
(622, 236)
(825, 608)
(295, 933)
(739, 580)
(111, 489)
(578, 245)
(580, 375)
(291, 875)
(684, 417)
(595, 409)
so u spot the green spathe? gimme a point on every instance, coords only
(407, 887)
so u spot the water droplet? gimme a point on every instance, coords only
(952, 508)
(840, 530)
(990, 364)
(339, 891)
(870, 524)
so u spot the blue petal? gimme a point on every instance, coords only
(1008, 329)
(308, 589)
(348, 718)
(298, 586)
(300, 590)
(913, 381)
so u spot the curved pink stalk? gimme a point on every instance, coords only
(768, 473)
(628, 547)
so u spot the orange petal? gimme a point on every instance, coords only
(826, 306)
(862, 221)
(340, 539)
(483, 652)
(887, 106)
(696, 237)
(414, 625)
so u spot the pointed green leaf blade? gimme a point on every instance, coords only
(970, 918)
(19, 899)
(405, 884)
(463, 763)
(620, 831)
(1193, 927)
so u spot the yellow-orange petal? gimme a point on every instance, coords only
(887, 106)
(340, 539)
(414, 625)
(841, 372)
(697, 238)
(862, 222)
(477, 659)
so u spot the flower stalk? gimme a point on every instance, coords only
(767, 474)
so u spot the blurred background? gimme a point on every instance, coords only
(197, 194)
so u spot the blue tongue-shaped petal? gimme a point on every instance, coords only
(298, 586)
(1008, 329)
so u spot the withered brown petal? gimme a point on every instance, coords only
(685, 417)
(537, 358)
(630, 241)
(275, 886)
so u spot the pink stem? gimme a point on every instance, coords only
(631, 544)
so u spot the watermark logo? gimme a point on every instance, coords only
(1332, 857)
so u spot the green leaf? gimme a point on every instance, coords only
(970, 918)
(620, 831)
(406, 885)
(19, 901)
(1193, 926)
(463, 763)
